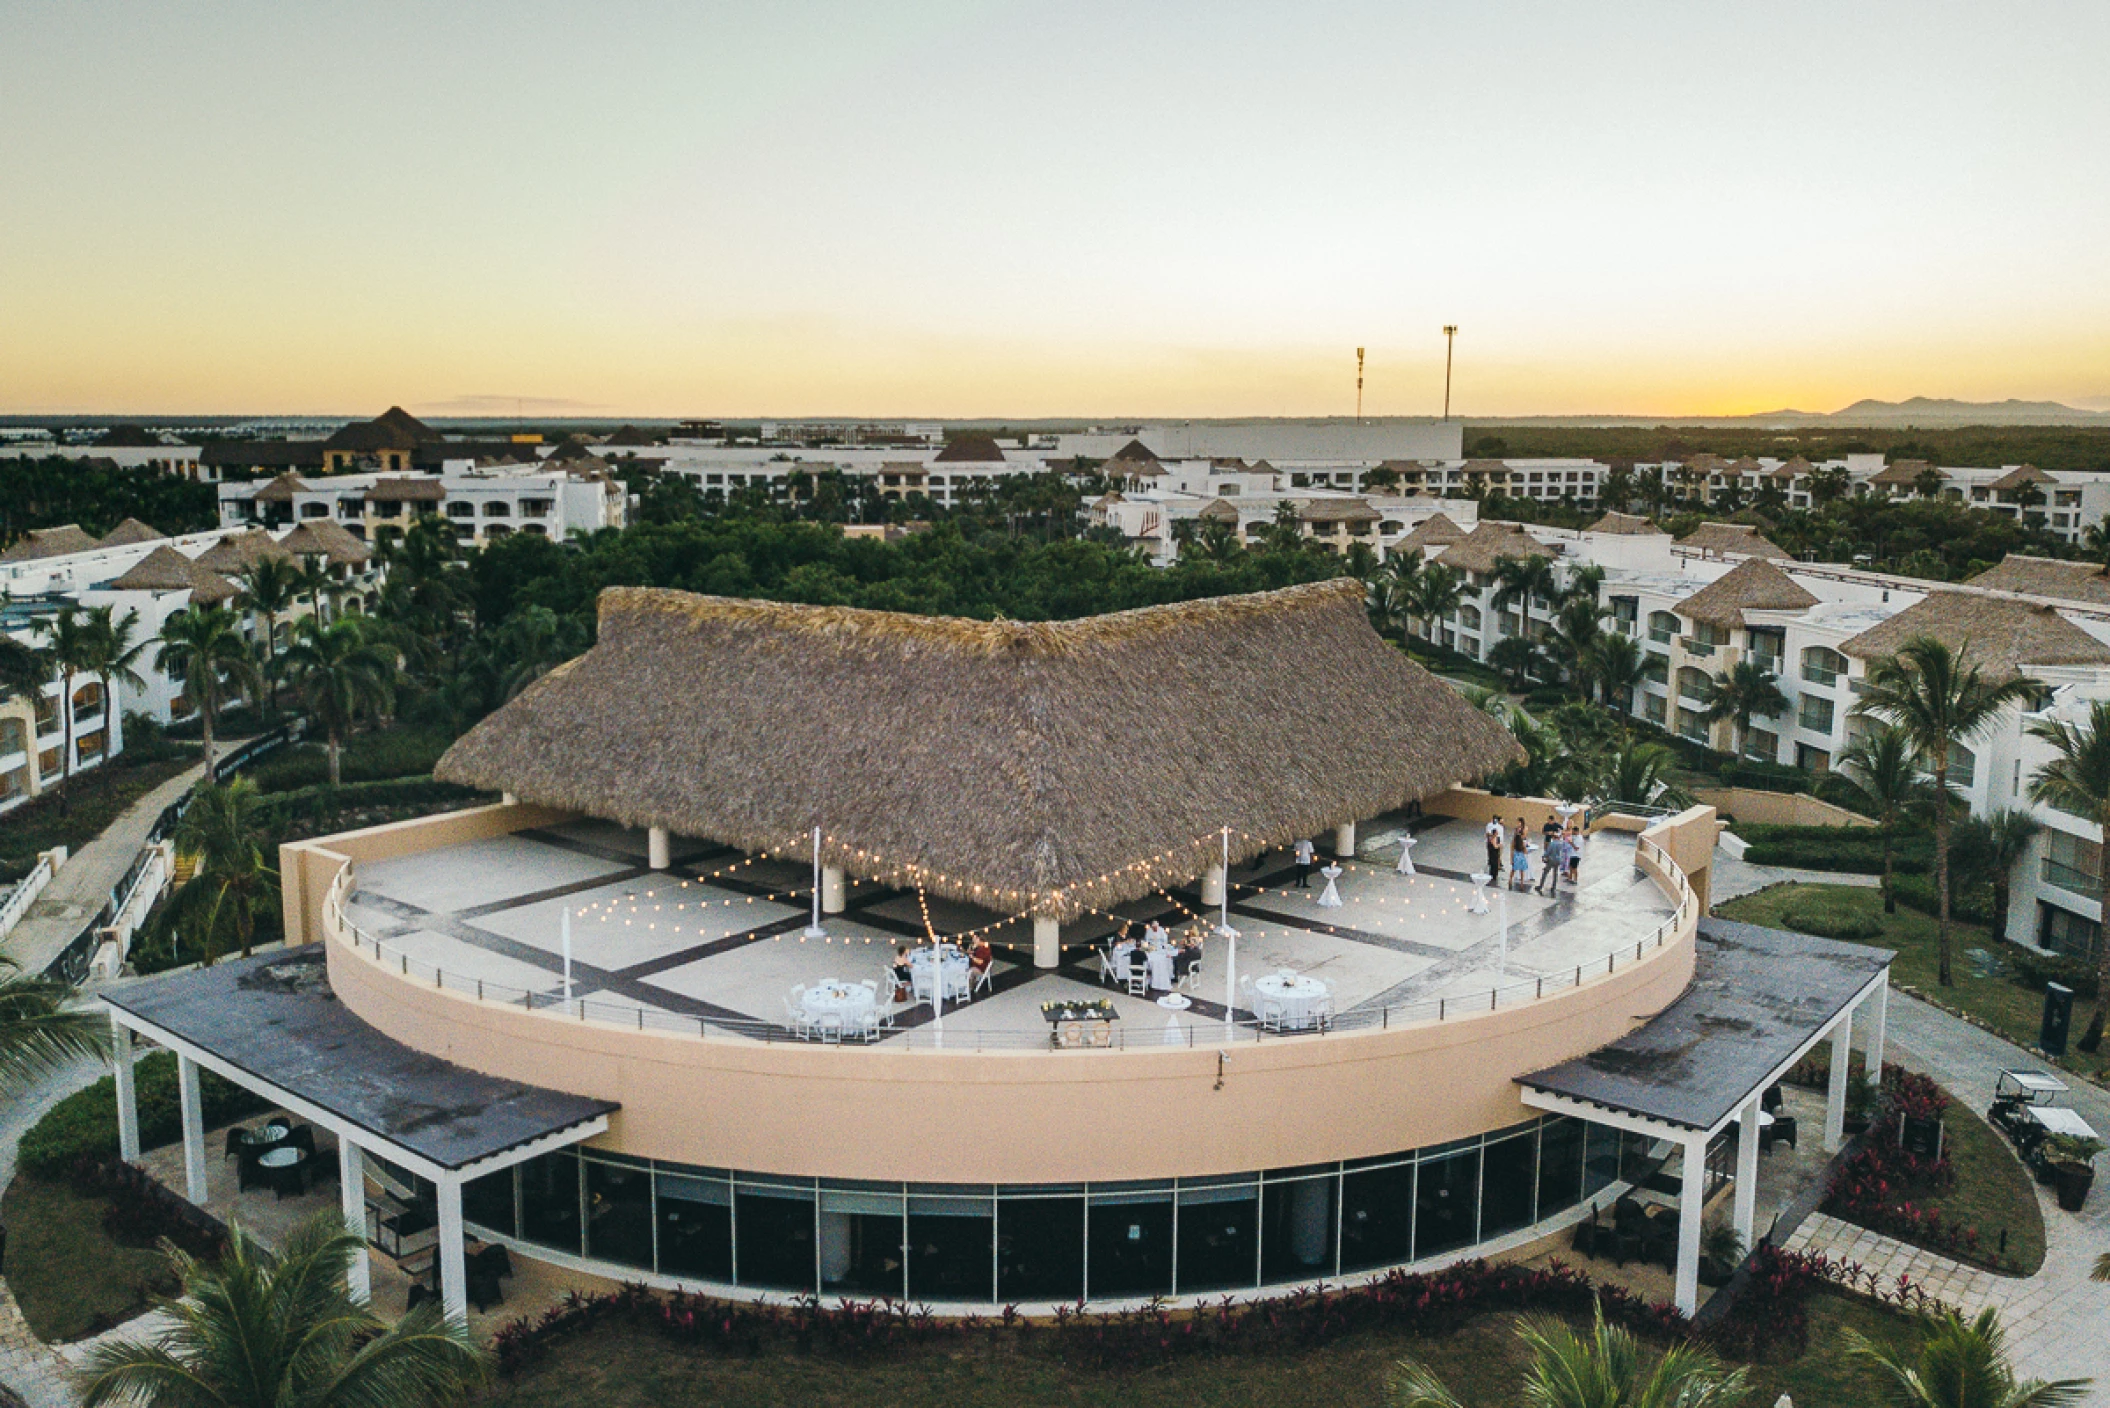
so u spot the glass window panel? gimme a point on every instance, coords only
(1446, 1192)
(1130, 1242)
(860, 1248)
(1299, 1222)
(1040, 1248)
(1377, 1217)
(549, 1200)
(488, 1202)
(695, 1227)
(1560, 1165)
(951, 1247)
(1508, 1184)
(1600, 1158)
(774, 1235)
(1218, 1223)
(618, 1214)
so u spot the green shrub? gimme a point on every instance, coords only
(1834, 922)
(368, 757)
(84, 1124)
(1973, 905)
(2028, 969)
(1858, 849)
(1549, 697)
(1765, 777)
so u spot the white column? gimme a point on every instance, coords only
(656, 847)
(832, 882)
(1745, 1211)
(507, 799)
(1692, 1195)
(193, 1129)
(1047, 942)
(351, 1178)
(454, 1271)
(1213, 885)
(1344, 840)
(1835, 1096)
(1878, 1004)
(127, 1094)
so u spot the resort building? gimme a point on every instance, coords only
(484, 504)
(791, 961)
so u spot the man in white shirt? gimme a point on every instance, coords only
(1494, 847)
(1305, 856)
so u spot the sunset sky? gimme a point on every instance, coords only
(972, 208)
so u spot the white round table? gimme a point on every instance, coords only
(1297, 1000)
(1157, 962)
(851, 1003)
(955, 969)
(279, 1158)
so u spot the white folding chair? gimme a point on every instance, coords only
(980, 978)
(830, 1026)
(1106, 963)
(795, 1016)
(1138, 975)
(1191, 981)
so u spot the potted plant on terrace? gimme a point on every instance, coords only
(2071, 1159)
(1860, 1102)
(1721, 1252)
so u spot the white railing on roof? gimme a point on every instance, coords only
(340, 927)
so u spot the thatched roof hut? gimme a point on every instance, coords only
(128, 532)
(1720, 538)
(2047, 576)
(48, 542)
(1043, 766)
(1790, 470)
(1337, 511)
(234, 555)
(2019, 476)
(319, 537)
(1483, 549)
(970, 447)
(282, 489)
(1904, 474)
(1430, 536)
(2000, 636)
(1752, 585)
(167, 570)
(1625, 524)
(406, 489)
(1217, 511)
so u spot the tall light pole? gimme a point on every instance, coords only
(1450, 337)
(1358, 386)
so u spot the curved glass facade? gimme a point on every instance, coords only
(1049, 1242)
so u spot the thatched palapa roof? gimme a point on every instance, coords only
(1733, 537)
(319, 537)
(233, 556)
(282, 489)
(406, 489)
(167, 570)
(128, 532)
(2002, 637)
(48, 542)
(1626, 524)
(974, 447)
(2020, 475)
(1431, 536)
(1903, 473)
(1790, 470)
(1485, 547)
(1752, 585)
(2048, 576)
(1043, 766)
(1217, 511)
(1337, 511)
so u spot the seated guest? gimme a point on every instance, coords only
(981, 955)
(902, 982)
(1186, 956)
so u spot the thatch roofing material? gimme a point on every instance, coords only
(1903, 473)
(1733, 537)
(167, 570)
(1050, 766)
(1484, 548)
(233, 556)
(2020, 475)
(282, 489)
(1791, 470)
(1752, 585)
(1337, 511)
(1135, 452)
(40, 543)
(406, 488)
(128, 532)
(1217, 511)
(319, 537)
(2048, 576)
(394, 429)
(1431, 536)
(1626, 524)
(2002, 637)
(972, 448)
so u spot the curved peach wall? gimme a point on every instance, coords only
(998, 1117)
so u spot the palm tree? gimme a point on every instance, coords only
(1960, 1364)
(117, 652)
(1994, 845)
(1517, 658)
(2095, 540)
(204, 645)
(40, 1031)
(1618, 666)
(1746, 692)
(1885, 766)
(221, 829)
(24, 669)
(337, 673)
(271, 587)
(1639, 775)
(311, 580)
(1518, 580)
(257, 1330)
(1437, 592)
(1584, 583)
(1940, 702)
(1577, 627)
(2077, 780)
(70, 645)
(1602, 1370)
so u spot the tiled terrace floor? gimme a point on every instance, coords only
(718, 938)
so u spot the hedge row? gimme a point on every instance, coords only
(1858, 850)
(367, 758)
(84, 1124)
(302, 807)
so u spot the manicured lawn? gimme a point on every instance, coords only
(2013, 1011)
(1993, 1192)
(94, 799)
(70, 1278)
(612, 1367)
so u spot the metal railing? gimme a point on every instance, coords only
(1819, 676)
(340, 927)
(2068, 877)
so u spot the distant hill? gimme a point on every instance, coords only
(1927, 410)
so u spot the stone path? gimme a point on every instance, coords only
(85, 880)
(1967, 1288)
(1734, 877)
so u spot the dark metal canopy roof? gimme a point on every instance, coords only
(1757, 996)
(274, 1017)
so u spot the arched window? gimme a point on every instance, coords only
(1662, 625)
(1693, 685)
(1821, 665)
(1963, 766)
(498, 508)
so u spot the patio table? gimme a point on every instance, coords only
(851, 1002)
(1298, 1000)
(954, 967)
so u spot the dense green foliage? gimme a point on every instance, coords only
(84, 1124)
(2045, 446)
(368, 757)
(45, 493)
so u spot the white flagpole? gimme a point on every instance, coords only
(814, 929)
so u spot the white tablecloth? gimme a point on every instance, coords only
(1297, 1001)
(1159, 964)
(852, 1002)
(957, 977)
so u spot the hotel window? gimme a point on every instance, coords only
(1446, 1200)
(13, 737)
(2070, 862)
(1963, 766)
(695, 1215)
(1654, 708)
(1219, 1231)
(952, 1243)
(861, 1238)
(460, 508)
(14, 784)
(619, 1210)
(774, 1238)
(1694, 684)
(48, 763)
(1040, 1243)
(498, 508)
(2062, 931)
(1822, 666)
(1762, 744)
(89, 746)
(1662, 625)
(1816, 715)
(1129, 1239)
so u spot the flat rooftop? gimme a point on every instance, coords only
(716, 941)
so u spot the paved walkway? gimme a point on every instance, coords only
(1734, 877)
(85, 881)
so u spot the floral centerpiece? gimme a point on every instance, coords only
(1096, 1009)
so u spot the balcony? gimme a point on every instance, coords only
(2068, 878)
(1657, 637)
(1815, 720)
(1693, 645)
(1819, 676)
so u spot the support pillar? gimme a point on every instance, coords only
(351, 1178)
(1878, 1003)
(1344, 840)
(1047, 942)
(656, 847)
(1745, 1210)
(508, 799)
(1835, 1095)
(1692, 1198)
(127, 1094)
(454, 1269)
(1213, 885)
(832, 889)
(193, 1129)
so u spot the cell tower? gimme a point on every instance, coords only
(1358, 386)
